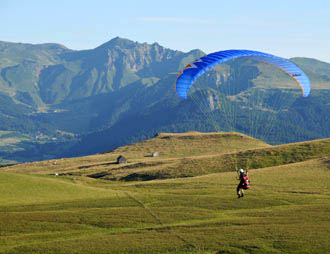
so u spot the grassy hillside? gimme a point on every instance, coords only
(181, 155)
(30, 190)
(171, 147)
(285, 211)
(191, 143)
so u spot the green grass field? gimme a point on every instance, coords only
(287, 209)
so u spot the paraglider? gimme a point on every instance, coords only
(246, 115)
(244, 183)
(192, 71)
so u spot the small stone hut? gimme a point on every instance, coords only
(155, 154)
(121, 160)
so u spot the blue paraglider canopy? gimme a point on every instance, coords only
(192, 71)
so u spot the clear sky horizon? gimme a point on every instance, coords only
(290, 28)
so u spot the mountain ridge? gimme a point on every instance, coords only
(124, 90)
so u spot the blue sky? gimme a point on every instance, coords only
(285, 28)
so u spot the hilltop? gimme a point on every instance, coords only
(180, 155)
(170, 146)
(182, 201)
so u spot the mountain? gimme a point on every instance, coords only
(57, 102)
(52, 74)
